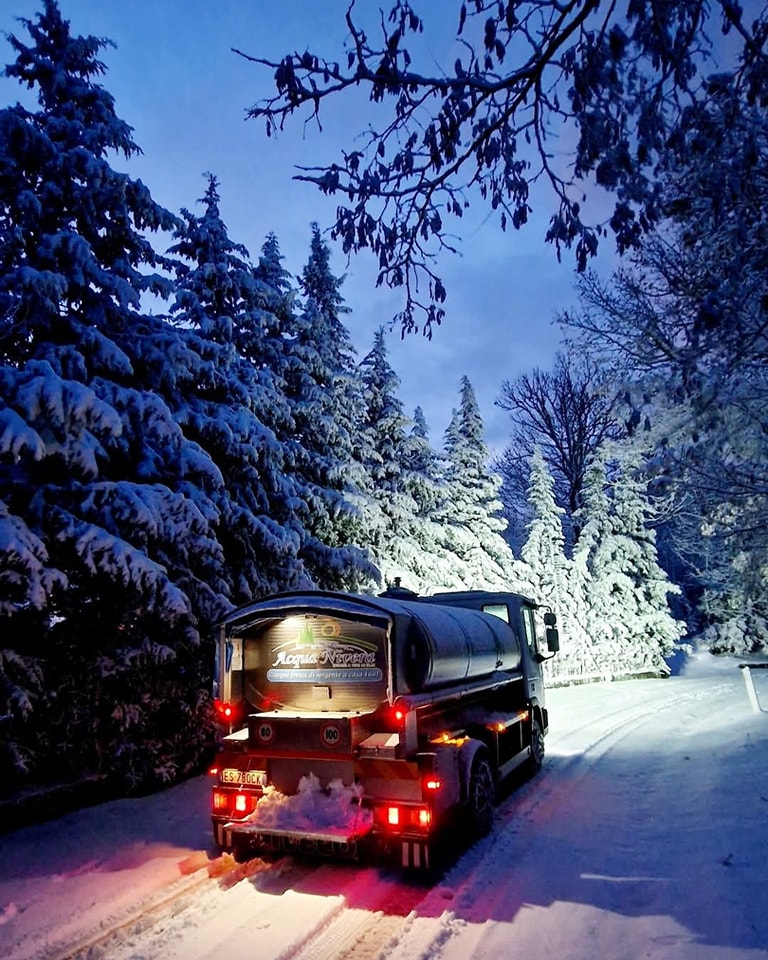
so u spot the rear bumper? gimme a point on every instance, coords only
(412, 852)
(243, 838)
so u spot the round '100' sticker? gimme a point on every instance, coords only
(330, 735)
(265, 732)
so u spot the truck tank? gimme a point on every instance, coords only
(446, 645)
(302, 650)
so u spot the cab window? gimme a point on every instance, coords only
(530, 630)
(499, 610)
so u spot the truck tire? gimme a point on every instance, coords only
(536, 758)
(482, 797)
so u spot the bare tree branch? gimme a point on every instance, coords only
(622, 80)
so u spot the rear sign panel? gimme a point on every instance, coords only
(318, 662)
(322, 650)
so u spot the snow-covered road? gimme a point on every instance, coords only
(645, 836)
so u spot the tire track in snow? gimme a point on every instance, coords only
(288, 910)
(89, 943)
(369, 925)
(255, 902)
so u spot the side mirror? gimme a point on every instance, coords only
(550, 619)
(553, 639)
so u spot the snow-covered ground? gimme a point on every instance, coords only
(645, 836)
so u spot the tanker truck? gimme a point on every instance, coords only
(359, 725)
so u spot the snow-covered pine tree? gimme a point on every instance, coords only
(471, 518)
(430, 567)
(543, 554)
(108, 563)
(233, 406)
(424, 466)
(273, 306)
(684, 329)
(596, 529)
(627, 591)
(579, 661)
(424, 481)
(323, 391)
(383, 446)
(544, 548)
(736, 619)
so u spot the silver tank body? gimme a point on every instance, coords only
(440, 645)
(431, 645)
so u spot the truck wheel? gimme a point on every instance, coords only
(537, 747)
(482, 795)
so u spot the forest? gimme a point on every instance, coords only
(185, 427)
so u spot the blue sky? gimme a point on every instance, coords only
(177, 82)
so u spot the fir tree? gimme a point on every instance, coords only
(555, 580)
(431, 566)
(273, 305)
(627, 591)
(544, 549)
(423, 465)
(323, 392)
(384, 444)
(473, 525)
(109, 563)
(232, 405)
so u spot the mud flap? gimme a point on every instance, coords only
(221, 838)
(415, 855)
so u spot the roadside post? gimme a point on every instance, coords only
(749, 683)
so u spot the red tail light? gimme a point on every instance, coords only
(227, 803)
(396, 818)
(225, 712)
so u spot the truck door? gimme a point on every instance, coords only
(534, 675)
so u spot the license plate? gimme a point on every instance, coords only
(247, 778)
